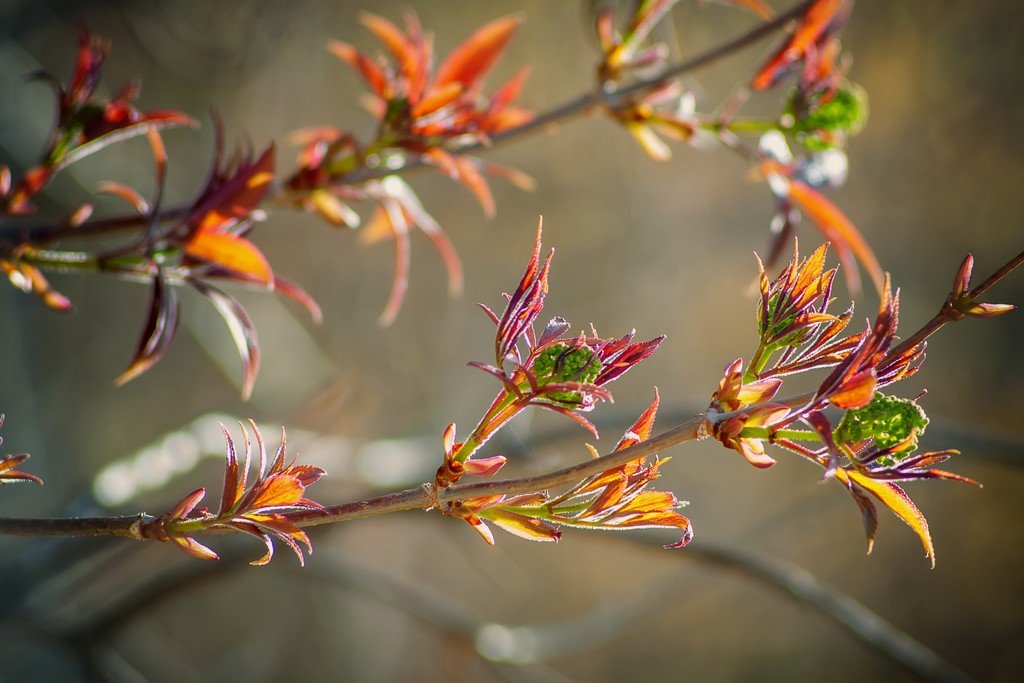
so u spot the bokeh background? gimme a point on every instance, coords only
(665, 248)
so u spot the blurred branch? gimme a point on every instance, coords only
(578, 105)
(547, 640)
(797, 583)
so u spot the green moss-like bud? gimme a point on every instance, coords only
(887, 419)
(846, 112)
(562, 363)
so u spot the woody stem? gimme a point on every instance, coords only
(697, 427)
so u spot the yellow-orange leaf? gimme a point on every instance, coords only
(437, 98)
(649, 140)
(857, 392)
(530, 528)
(276, 490)
(894, 498)
(231, 252)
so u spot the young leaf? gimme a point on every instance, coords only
(243, 332)
(158, 331)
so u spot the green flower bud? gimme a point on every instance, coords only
(562, 363)
(828, 124)
(888, 420)
(847, 111)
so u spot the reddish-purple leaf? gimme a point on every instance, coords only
(194, 548)
(158, 331)
(187, 504)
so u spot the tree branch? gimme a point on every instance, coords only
(423, 498)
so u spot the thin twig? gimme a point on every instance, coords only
(797, 583)
(948, 313)
(561, 637)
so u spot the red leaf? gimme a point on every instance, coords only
(370, 72)
(509, 91)
(233, 199)
(475, 55)
(485, 467)
(300, 295)
(820, 20)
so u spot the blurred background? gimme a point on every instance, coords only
(665, 248)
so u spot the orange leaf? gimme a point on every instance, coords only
(856, 391)
(758, 7)
(392, 37)
(894, 498)
(231, 252)
(333, 209)
(509, 91)
(437, 98)
(649, 140)
(370, 72)
(836, 227)
(7, 465)
(641, 429)
(276, 490)
(477, 53)
(481, 528)
(472, 178)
